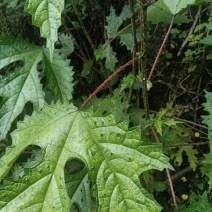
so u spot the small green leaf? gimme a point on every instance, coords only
(110, 57)
(207, 40)
(67, 43)
(98, 52)
(114, 21)
(127, 81)
(190, 152)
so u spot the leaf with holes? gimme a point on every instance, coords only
(113, 154)
(23, 84)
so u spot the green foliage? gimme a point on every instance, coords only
(202, 205)
(164, 16)
(175, 6)
(23, 85)
(110, 57)
(114, 22)
(62, 158)
(190, 152)
(127, 81)
(207, 163)
(208, 119)
(160, 121)
(104, 146)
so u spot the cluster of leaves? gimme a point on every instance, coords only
(59, 157)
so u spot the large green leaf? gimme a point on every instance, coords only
(59, 76)
(20, 86)
(113, 155)
(157, 14)
(78, 188)
(174, 6)
(23, 84)
(46, 14)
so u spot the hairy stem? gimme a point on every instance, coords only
(143, 26)
(106, 81)
(167, 173)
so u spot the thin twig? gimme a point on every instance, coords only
(143, 26)
(191, 30)
(167, 173)
(106, 81)
(160, 50)
(191, 122)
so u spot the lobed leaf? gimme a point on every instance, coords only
(201, 205)
(113, 155)
(59, 76)
(23, 84)
(46, 14)
(114, 21)
(20, 86)
(175, 6)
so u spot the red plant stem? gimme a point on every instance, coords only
(106, 81)
(167, 172)
(160, 50)
(172, 189)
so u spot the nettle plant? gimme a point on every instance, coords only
(82, 158)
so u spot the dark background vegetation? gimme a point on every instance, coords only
(181, 77)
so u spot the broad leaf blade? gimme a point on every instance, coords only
(21, 86)
(46, 14)
(174, 6)
(78, 187)
(114, 157)
(59, 75)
